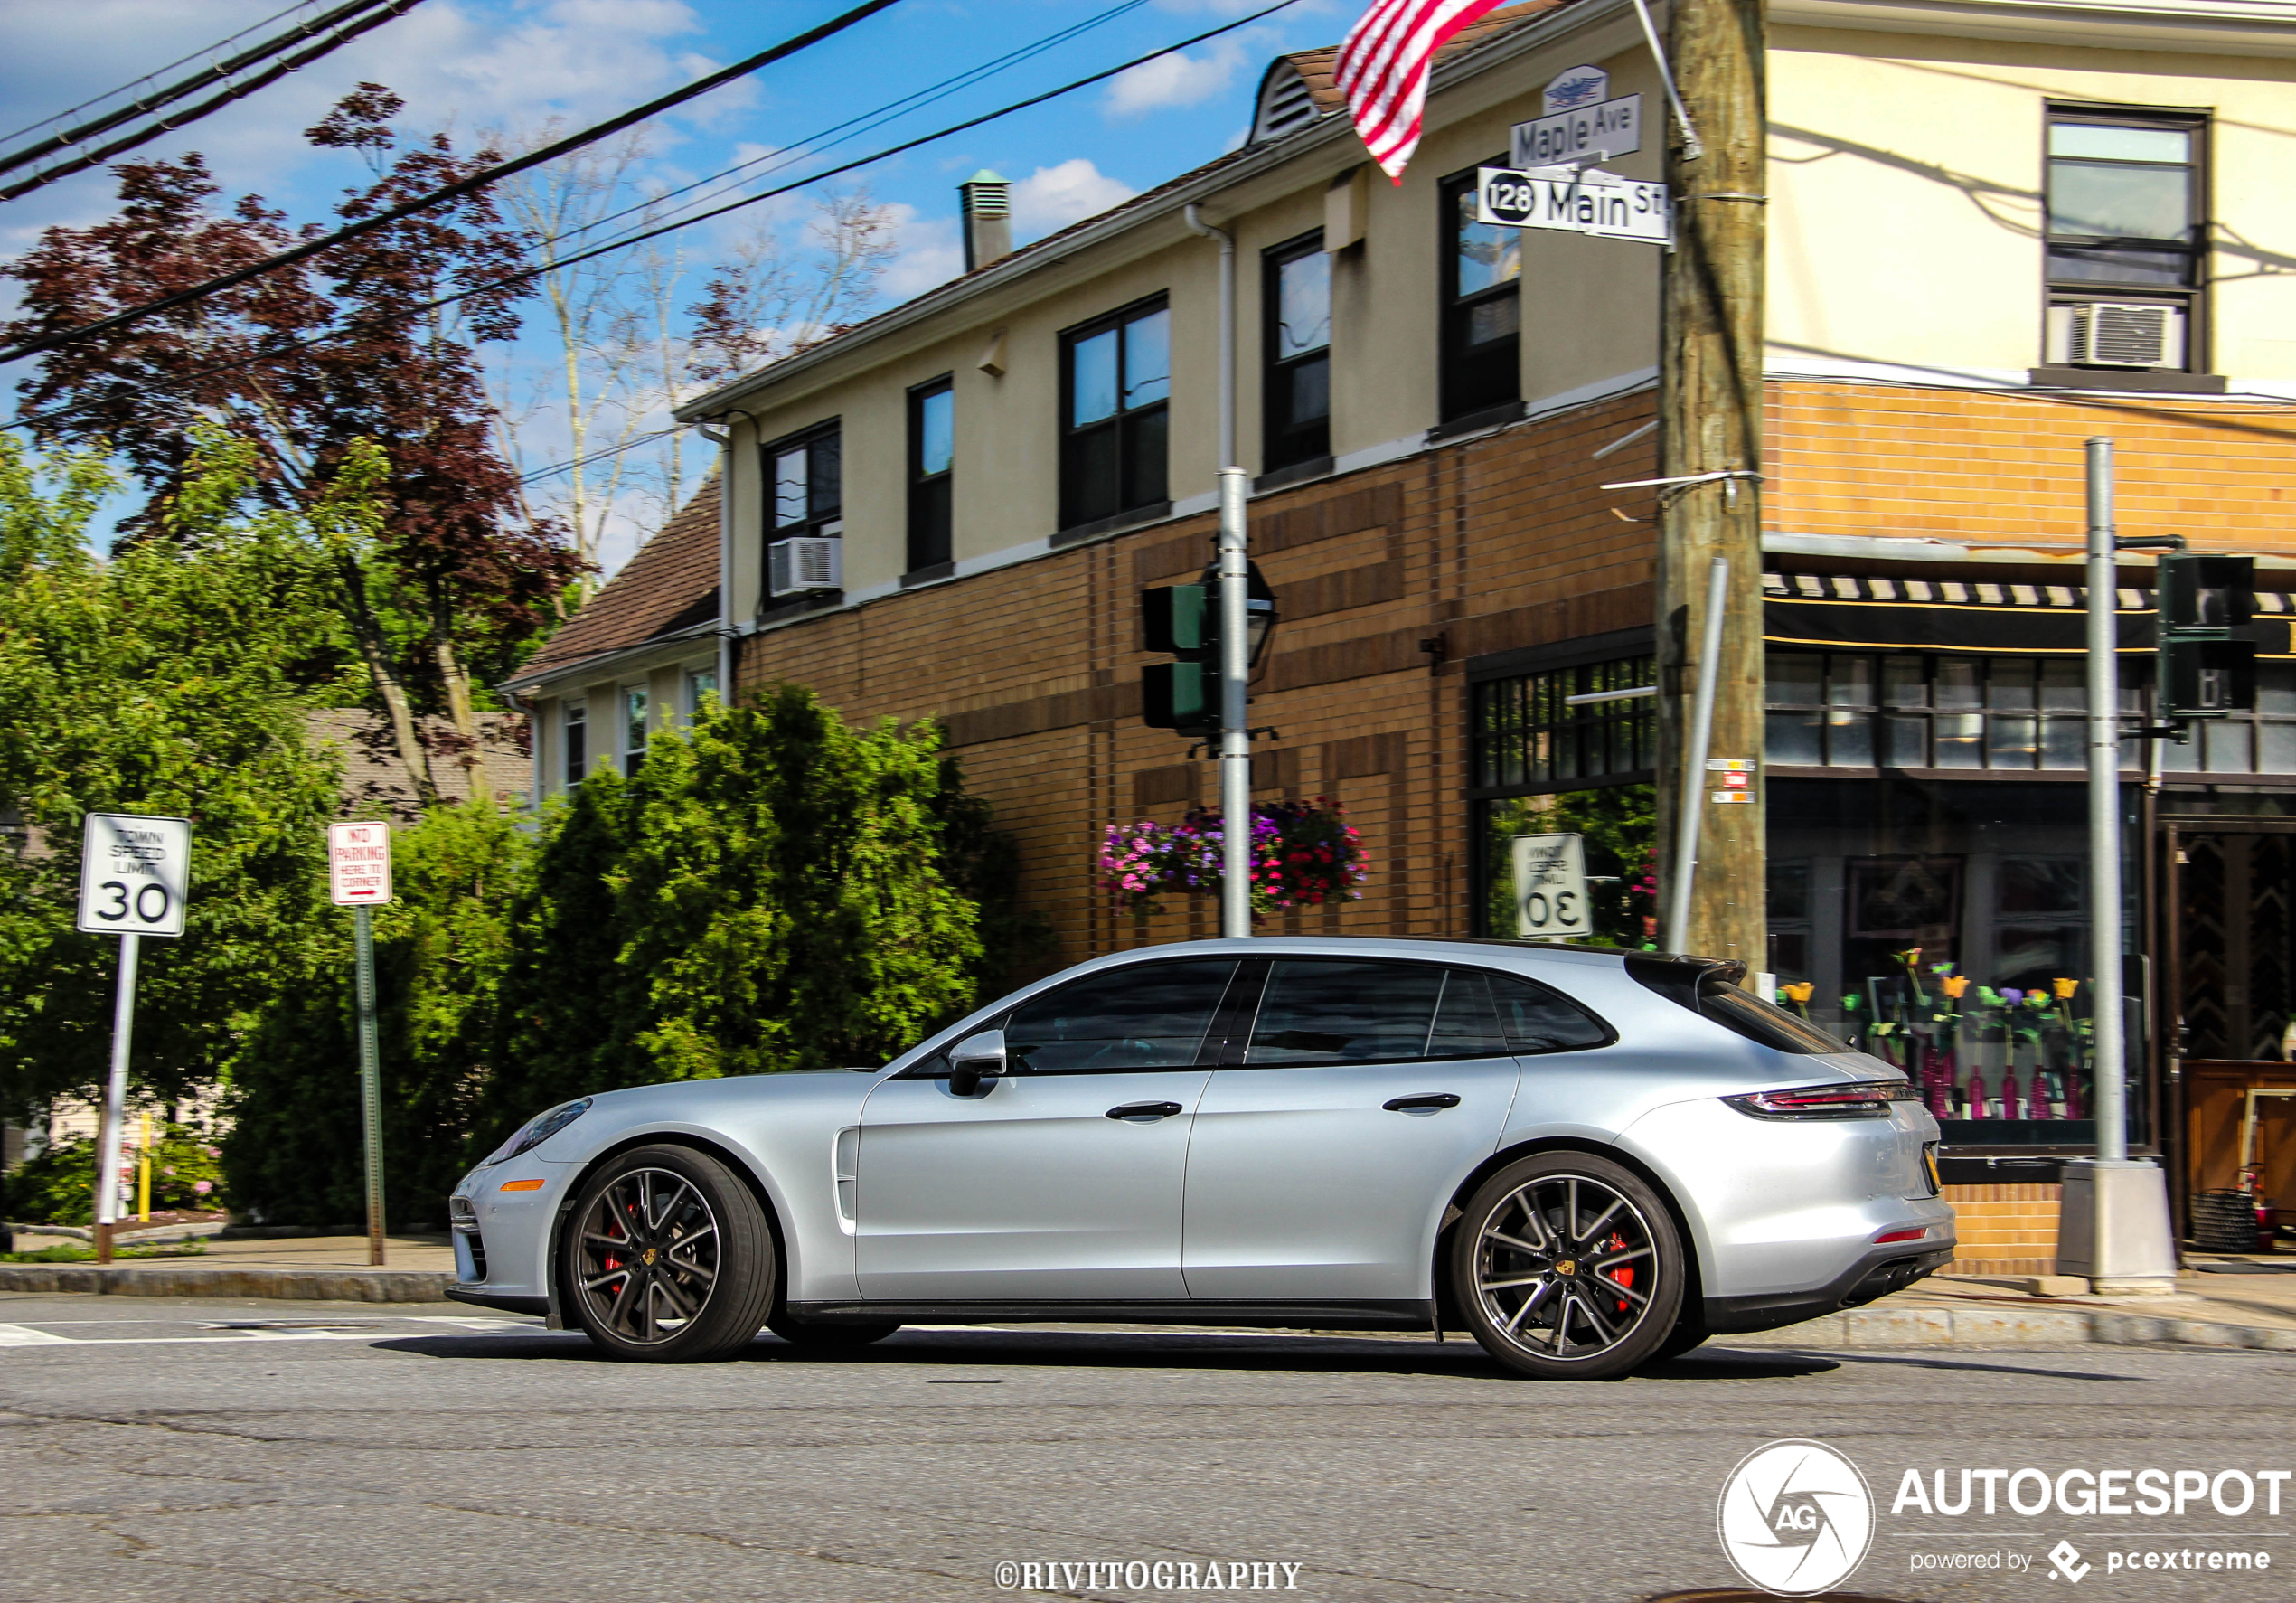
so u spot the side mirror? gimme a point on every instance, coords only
(975, 1062)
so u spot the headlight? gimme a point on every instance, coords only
(538, 1129)
(1865, 1100)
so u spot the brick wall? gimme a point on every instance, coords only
(2004, 1230)
(1988, 465)
(1387, 580)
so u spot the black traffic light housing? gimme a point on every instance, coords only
(2207, 665)
(1183, 620)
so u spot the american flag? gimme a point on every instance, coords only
(1382, 69)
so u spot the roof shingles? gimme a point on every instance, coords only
(670, 584)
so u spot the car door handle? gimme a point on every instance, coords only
(1146, 1110)
(1426, 1102)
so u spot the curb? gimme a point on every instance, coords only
(338, 1286)
(1992, 1327)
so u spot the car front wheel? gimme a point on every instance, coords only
(1568, 1267)
(671, 1260)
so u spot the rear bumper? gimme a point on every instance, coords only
(1879, 1272)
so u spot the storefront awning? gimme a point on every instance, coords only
(1844, 611)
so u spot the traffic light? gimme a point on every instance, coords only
(1184, 620)
(2207, 665)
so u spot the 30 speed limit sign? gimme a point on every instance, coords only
(1550, 886)
(135, 874)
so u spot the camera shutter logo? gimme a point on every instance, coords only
(1795, 1517)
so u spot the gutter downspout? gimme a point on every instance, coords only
(1194, 214)
(725, 562)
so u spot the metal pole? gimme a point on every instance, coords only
(123, 1024)
(1694, 755)
(1235, 737)
(2110, 1086)
(370, 1077)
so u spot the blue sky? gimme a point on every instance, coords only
(465, 65)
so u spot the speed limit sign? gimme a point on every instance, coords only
(135, 874)
(1550, 887)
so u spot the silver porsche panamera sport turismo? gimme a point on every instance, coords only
(1590, 1160)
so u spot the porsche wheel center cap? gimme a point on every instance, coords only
(649, 1255)
(1563, 1266)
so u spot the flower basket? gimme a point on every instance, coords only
(1304, 854)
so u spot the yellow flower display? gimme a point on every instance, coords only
(2064, 988)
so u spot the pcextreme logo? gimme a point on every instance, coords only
(1795, 1517)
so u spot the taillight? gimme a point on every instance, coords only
(1867, 1099)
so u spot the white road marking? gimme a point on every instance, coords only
(23, 1335)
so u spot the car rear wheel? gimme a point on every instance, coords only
(671, 1260)
(1567, 1267)
(830, 1338)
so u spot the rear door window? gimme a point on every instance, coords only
(1316, 1011)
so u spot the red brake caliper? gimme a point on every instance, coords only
(1625, 1275)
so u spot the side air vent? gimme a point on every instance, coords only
(1285, 104)
(2117, 334)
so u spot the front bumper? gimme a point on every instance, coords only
(508, 1302)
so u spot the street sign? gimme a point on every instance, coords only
(1550, 886)
(1595, 132)
(1735, 776)
(359, 864)
(1584, 201)
(135, 874)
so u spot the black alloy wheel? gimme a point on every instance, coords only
(1568, 1266)
(670, 1259)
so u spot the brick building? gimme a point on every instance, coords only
(1995, 231)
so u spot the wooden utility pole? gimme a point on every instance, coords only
(1710, 424)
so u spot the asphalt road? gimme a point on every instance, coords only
(149, 1451)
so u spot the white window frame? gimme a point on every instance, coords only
(633, 755)
(573, 715)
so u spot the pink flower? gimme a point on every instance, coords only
(201, 1186)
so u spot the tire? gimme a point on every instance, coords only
(670, 1259)
(1687, 1335)
(1536, 1268)
(830, 1338)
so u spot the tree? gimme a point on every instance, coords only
(169, 679)
(442, 950)
(455, 580)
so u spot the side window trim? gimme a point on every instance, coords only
(1206, 1047)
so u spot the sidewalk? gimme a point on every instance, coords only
(331, 1268)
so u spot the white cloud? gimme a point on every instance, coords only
(1178, 79)
(1053, 198)
(928, 254)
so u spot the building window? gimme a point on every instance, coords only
(1858, 710)
(1482, 304)
(1567, 728)
(932, 458)
(699, 683)
(1116, 394)
(1570, 751)
(633, 727)
(1297, 296)
(573, 731)
(2127, 231)
(805, 485)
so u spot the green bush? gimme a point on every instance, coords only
(56, 1184)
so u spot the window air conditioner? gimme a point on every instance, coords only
(2112, 334)
(809, 563)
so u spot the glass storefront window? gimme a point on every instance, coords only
(1944, 927)
(1568, 752)
(1860, 710)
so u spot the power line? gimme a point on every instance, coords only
(815, 143)
(239, 91)
(477, 181)
(523, 275)
(177, 90)
(133, 83)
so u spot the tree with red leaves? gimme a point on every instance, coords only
(303, 362)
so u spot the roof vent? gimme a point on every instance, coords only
(1286, 103)
(987, 206)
